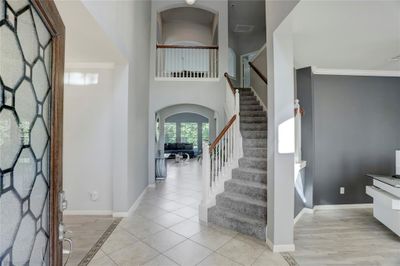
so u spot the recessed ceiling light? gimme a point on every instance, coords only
(243, 28)
(190, 2)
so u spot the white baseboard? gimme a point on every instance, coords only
(343, 206)
(88, 212)
(132, 208)
(280, 248)
(301, 213)
(331, 207)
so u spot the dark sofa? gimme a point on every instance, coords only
(175, 148)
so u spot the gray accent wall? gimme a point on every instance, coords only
(351, 127)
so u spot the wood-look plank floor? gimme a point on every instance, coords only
(344, 237)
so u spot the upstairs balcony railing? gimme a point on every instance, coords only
(186, 62)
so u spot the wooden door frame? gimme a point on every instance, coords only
(48, 11)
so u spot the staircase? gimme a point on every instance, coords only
(243, 204)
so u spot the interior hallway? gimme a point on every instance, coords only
(165, 230)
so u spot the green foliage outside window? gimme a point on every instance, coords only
(170, 132)
(189, 134)
(206, 130)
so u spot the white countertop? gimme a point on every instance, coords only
(394, 182)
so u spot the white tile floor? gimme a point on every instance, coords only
(165, 230)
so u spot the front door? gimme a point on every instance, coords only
(31, 86)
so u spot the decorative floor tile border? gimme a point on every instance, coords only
(92, 252)
(289, 259)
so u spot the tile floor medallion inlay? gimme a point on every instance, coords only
(88, 234)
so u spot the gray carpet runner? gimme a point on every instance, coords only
(243, 204)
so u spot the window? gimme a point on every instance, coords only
(205, 131)
(231, 63)
(81, 79)
(170, 132)
(189, 134)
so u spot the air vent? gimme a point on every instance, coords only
(244, 28)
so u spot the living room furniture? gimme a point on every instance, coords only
(176, 148)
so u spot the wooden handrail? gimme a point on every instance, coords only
(221, 135)
(226, 75)
(261, 75)
(211, 47)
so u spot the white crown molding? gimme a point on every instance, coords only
(355, 72)
(98, 65)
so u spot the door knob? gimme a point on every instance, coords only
(63, 203)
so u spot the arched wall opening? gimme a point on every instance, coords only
(184, 113)
(181, 113)
(182, 25)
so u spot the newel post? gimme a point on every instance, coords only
(238, 149)
(206, 183)
(297, 129)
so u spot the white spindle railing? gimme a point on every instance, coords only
(220, 158)
(177, 62)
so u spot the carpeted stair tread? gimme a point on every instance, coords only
(253, 163)
(255, 143)
(256, 190)
(255, 152)
(240, 223)
(253, 113)
(253, 119)
(243, 204)
(253, 126)
(254, 134)
(250, 174)
(251, 107)
(248, 183)
(244, 198)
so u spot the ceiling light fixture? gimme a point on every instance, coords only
(190, 2)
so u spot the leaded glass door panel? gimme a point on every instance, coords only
(31, 66)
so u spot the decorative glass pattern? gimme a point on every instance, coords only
(25, 106)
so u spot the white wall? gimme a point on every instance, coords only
(210, 94)
(127, 23)
(88, 142)
(280, 108)
(181, 31)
